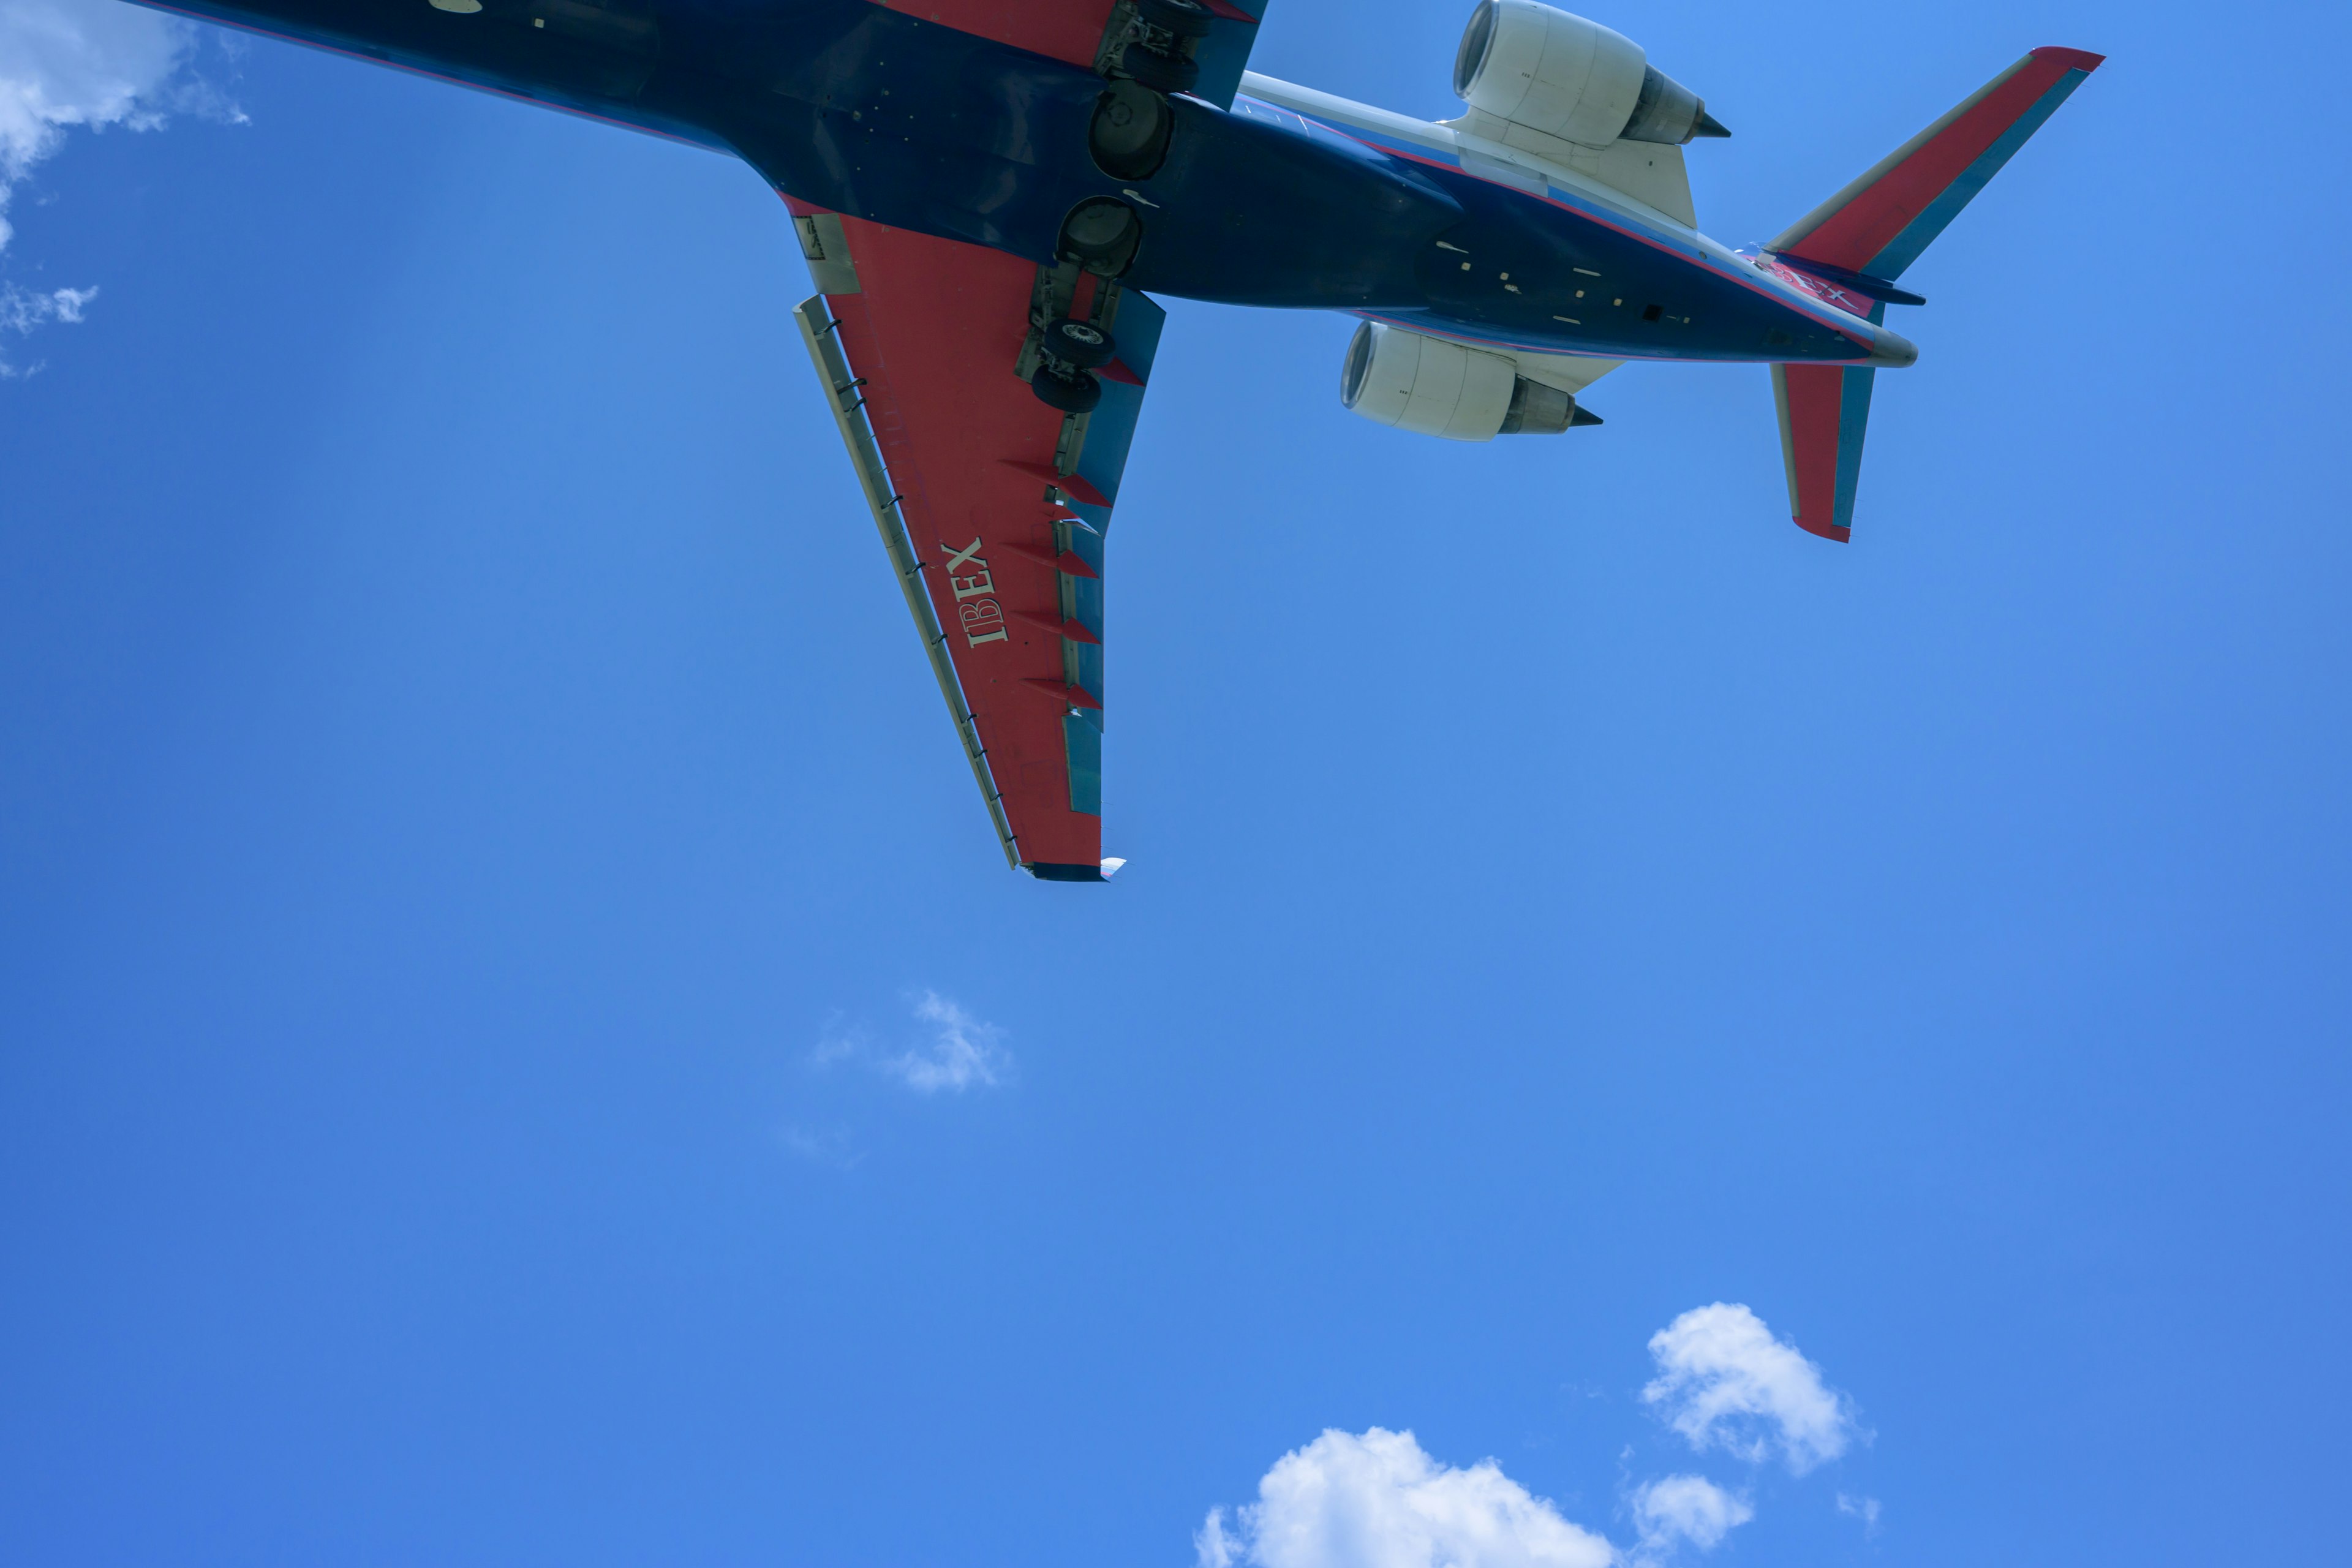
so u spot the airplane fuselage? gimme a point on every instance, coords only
(1308, 203)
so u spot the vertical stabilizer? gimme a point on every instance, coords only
(1824, 409)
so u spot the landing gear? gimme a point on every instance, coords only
(1074, 392)
(1066, 350)
(1177, 18)
(1068, 343)
(1161, 58)
(1080, 343)
(1161, 71)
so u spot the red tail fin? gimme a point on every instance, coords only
(1824, 409)
(1875, 228)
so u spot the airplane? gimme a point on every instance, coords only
(989, 192)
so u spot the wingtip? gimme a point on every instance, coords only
(1049, 871)
(1829, 531)
(2080, 60)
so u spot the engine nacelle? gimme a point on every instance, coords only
(1433, 387)
(1572, 78)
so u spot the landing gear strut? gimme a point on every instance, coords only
(1069, 340)
(1161, 58)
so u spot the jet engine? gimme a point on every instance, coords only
(1572, 78)
(1433, 387)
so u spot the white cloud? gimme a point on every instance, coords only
(1686, 1508)
(1725, 1382)
(841, 1042)
(89, 63)
(963, 1050)
(961, 1053)
(92, 63)
(823, 1145)
(1378, 1501)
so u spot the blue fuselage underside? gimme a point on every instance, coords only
(882, 115)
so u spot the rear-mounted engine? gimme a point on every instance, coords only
(1433, 387)
(1566, 77)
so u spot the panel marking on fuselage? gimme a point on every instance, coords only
(1696, 251)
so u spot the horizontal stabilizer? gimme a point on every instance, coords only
(1869, 288)
(1877, 225)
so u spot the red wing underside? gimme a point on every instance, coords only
(1010, 545)
(1069, 30)
(1073, 31)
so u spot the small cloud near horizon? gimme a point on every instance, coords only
(823, 1145)
(1725, 1382)
(960, 1051)
(1679, 1509)
(1864, 1508)
(1378, 1500)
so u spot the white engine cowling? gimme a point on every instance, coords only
(1433, 387)
(1570, 77)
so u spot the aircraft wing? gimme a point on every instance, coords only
(1086, 32)
(991, 506)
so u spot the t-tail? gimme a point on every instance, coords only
(1861, 240)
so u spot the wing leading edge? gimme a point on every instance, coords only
(991, 506)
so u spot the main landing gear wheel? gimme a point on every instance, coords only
(1074, 392)
(1161, 71)
(1177, 18)
(1082, 346)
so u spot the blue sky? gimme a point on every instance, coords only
(516, 1045)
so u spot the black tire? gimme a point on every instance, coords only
(1072, 395)
(1179, 19)
(1160, 72)
(1129, 134)
(1080, 343)
(1101, 235)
